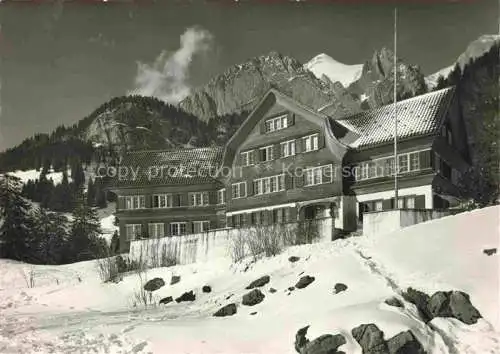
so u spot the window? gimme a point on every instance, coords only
(177, 228)
(247, 158)
(135, 202)
(270, 184)
(237, 220)
(198, 199)
(410, 202)
(401, 203)
(156, 230)
(403, 163)
(266, 153)
(414, 161)
(287, 148)
(133, 231)
(200, 226)
(311, 142)
(277, 123)
(162, 201)
(318, 175)
(221, 196)
(379, 205)
(239, 190)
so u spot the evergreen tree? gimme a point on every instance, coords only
(17, 222)
(100, 194)
(91, 193)
(50, 237)
(77, 174)
(85, 240)
(115, 244)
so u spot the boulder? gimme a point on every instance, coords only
(187, 296)
(254, 297)
(325, 344)
(253, 313)
(272, 290)
(421, 301)
(370, 338)
(227, 310)
(175, 279)
(293, 259)
(206, 289)
(454, 304)
(259, 282)
(304, 281)
(490, 251)
(405, 343)
(339, 287)
(300, 339)
(166, 300)
(394, 301)
(291, 288)
(154, 284)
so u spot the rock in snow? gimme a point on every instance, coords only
(166, 300)
(227, 310)
(304, 281)
(187, 296)
(405, 343)
(253, 297)
(259, 282)
(154, 284)
(370, 338)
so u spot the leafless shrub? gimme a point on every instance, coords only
(142, 297)
(237, 247)
(29, 277)
(107, 268)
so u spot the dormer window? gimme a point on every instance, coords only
(277, 123)
(311, 142)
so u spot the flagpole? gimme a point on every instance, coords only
(396, 167)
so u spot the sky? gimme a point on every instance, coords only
(60, 60)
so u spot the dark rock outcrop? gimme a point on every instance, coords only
(490, 251)
(300, 339)
(154, 284)
(304, 281)
(421, 301)
(272, 290)
(227, 310)
(394, 301)
(187, 296)
(175, 279)
(259, 282)
(252, 298)
(166, 300)
(405, 343)
(206, 289)
(325, 344)
(293, 259)
(339, 287)
(454, 304)
(370, 338)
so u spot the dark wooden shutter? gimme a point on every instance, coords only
(262, 126)
(388, 204)
(288, 181)
(420, 202)
(148, 201)
(229, 221)
(121, 203)
(321, 141)
(425, 159)
(177, 200)
(299, 180)
(292, 214)
(291, 119)
(298, 145)
(249, 187)
(184, 199)
(276, 151)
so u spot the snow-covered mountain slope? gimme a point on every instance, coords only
(474, 50)
(324, 65)
(70, 310)
(33, 175)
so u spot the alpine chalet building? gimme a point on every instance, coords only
(288, 162)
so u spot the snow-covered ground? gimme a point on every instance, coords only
(25, 176)
(70, 310)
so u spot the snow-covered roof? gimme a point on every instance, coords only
(417, 116)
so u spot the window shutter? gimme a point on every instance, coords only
(298, 145)
(299, 180)
(420, 202)
(288, 181)
(425, 159)
(291, 119)
(388, 204)
(321, 141)
(249, 188)
(177, 200)
(262, 126)
(212, 197)
(229, 221)
(149, 203)
(183, 199)
(121, 203)
(276, 151)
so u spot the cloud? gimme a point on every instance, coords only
(167, 77)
